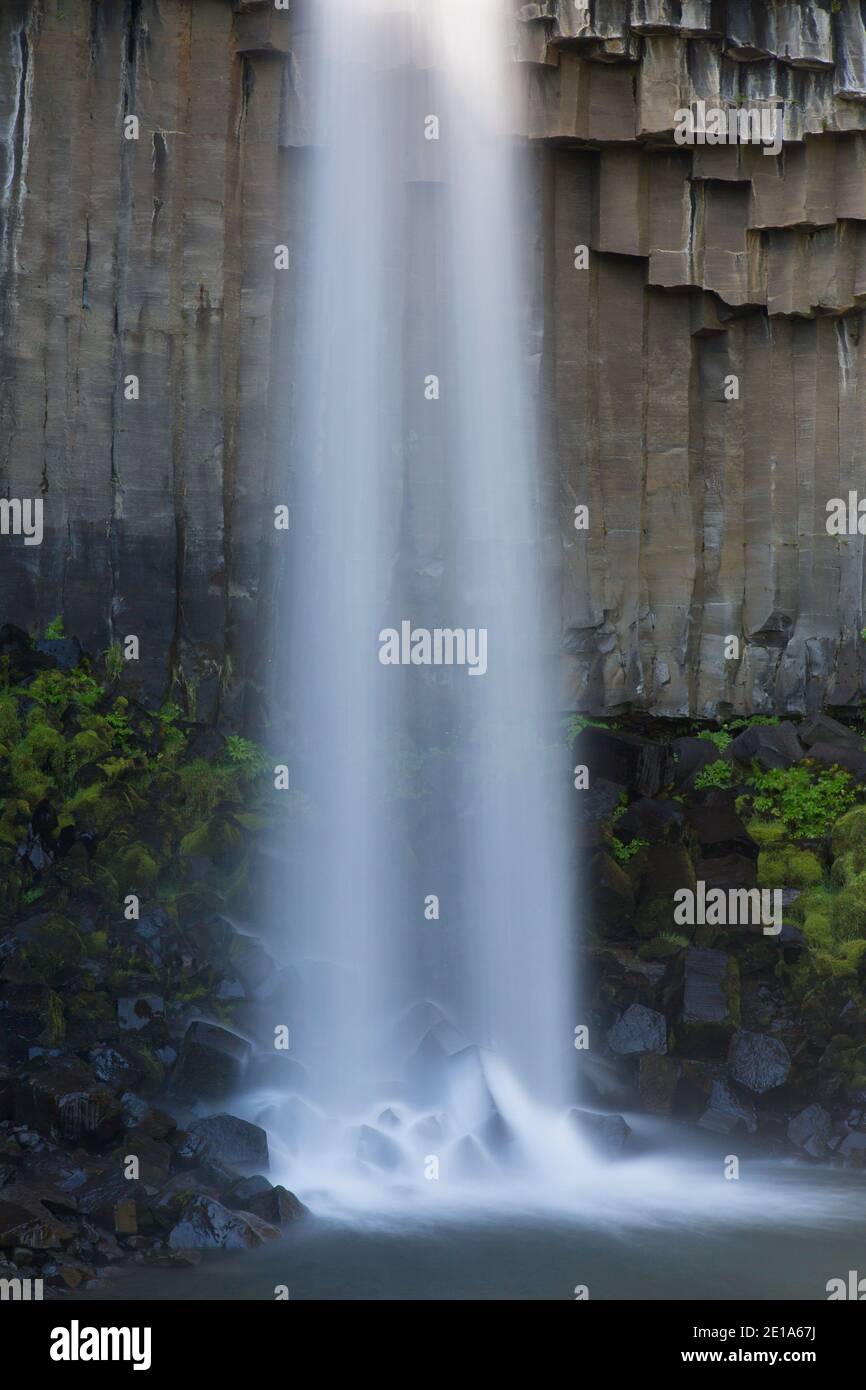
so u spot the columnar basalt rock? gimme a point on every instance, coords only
(154, 257)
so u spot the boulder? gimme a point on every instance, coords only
(850, 759)
(728, 871)
(717, 831)
(641, 764)
(276, 1205)
(638, 1030)
(726, 1111)
(595, 806)
(711, 1000)
(227, 1139)
(812, 1131)
(207, 1225)
(250, 962)
(608, 1133)
(61, 1095)
(691, 756)
(107, 1197)
(31, 1227)
(211, 1061)
(759, 1062)
(610, 898)
(650, 820)
(769, 745)
(853, 1150)
(667, 869)
(821, 729)
(658, 1078)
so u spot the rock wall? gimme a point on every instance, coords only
(155, 258)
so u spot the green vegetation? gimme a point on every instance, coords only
(715, 775)
(55, 630)
(623, 852)
(720, 737)
(808, 803)
(98, 765)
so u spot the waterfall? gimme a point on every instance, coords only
(429, 911)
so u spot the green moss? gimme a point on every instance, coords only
(848, 917)
(136, 867)
(849, 833)
(767, 832)
(847, 867)
(786, 866)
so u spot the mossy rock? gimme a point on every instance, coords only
(217, 839)
(848, 914)
(44, 950)
(88, 747)
(787, 866)
(849, 832)
(135, 867)
(846, 867)
(767, 832)
(668, 869)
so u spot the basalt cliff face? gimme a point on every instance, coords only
(701, 374)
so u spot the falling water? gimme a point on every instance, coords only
(428, 903)
(431, 920)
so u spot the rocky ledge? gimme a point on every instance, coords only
(128, 989)
(708, 1012)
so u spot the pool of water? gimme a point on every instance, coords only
(809, 1227)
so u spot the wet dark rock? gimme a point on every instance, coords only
(211, 1061)
(145, 1118)
(821, 729)
(717, 831)
(650, 820)
(594, 807)
(726, 1111)
(853, 1150)
(66, 651)
(62, 1096)
(769, 745)
(106, 1197)
(727, 871)
(658, 1078)
(851, 759)
(610, 895)
(711, 999)
(229, 1140)
(14, 641)
(213, 937)
(31, 1227)
(638, 1030)
(691, 756)
(759, 1062)
(811, 1131)
(245, 1189)
(608, 1133)
(623, 758)
(276, 1205)
(250, 962)
(207, 1225)
(153, 1155)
